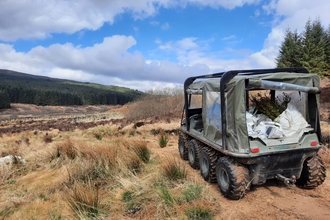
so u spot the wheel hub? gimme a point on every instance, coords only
(223, 179)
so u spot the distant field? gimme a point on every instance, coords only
(21, 111)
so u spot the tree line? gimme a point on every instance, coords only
(309, 49)
(47, 91)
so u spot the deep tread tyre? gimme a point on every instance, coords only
(313, 173)
(182, 145)
(193, 153)
(207, 164)
(232, 178)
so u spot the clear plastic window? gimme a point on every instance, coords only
(297, 99)
(213, 109)
(196, 101)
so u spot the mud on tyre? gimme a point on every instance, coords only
(207, 164)
(182, 145)
(193, 154)
(232, 178)
(313, 173)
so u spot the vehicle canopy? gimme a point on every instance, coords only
(226, 98)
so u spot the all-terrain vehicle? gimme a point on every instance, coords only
(228, 133)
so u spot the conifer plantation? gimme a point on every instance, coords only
(309, 49)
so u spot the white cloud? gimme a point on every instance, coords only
(107, 60)
(227, 4)
(154, 23)
(165, 26)
(36, 19)
(231, 37)
(289, 14)
(257, 13)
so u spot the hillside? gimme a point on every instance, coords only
(40, 90)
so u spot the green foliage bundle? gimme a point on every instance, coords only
(271, 108)
(310, 49)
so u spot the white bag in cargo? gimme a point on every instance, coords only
(291, 121)
(269, 129)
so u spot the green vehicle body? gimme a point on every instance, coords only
(219, 143)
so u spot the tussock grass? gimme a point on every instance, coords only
(166, 196)
(134, 164)
(128, 197)
(62, 152)
(67, 149)
(192, 193)
(103, 131)
(199, 213)
(163, 139)
(142, 151)
(174, 170)
(84, 200)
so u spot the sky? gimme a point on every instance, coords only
(147, 44)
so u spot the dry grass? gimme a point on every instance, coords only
(174, 170)
(84, 200)
(163, 139)
(80, 176)
(157, 106)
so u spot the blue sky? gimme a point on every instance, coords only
(145, 44)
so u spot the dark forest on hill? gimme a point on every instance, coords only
(18, 87)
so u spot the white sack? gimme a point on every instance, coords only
(269, 129)
(291, 121)
(251, 123)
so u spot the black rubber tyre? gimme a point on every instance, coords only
(193, 153)
(182, 145)
(313, 173)
(232, 178)
(207, 164)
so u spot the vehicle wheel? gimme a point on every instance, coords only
(207, 164)
(313, 173)
(183, 150)
(232, 178)
(193, 151)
